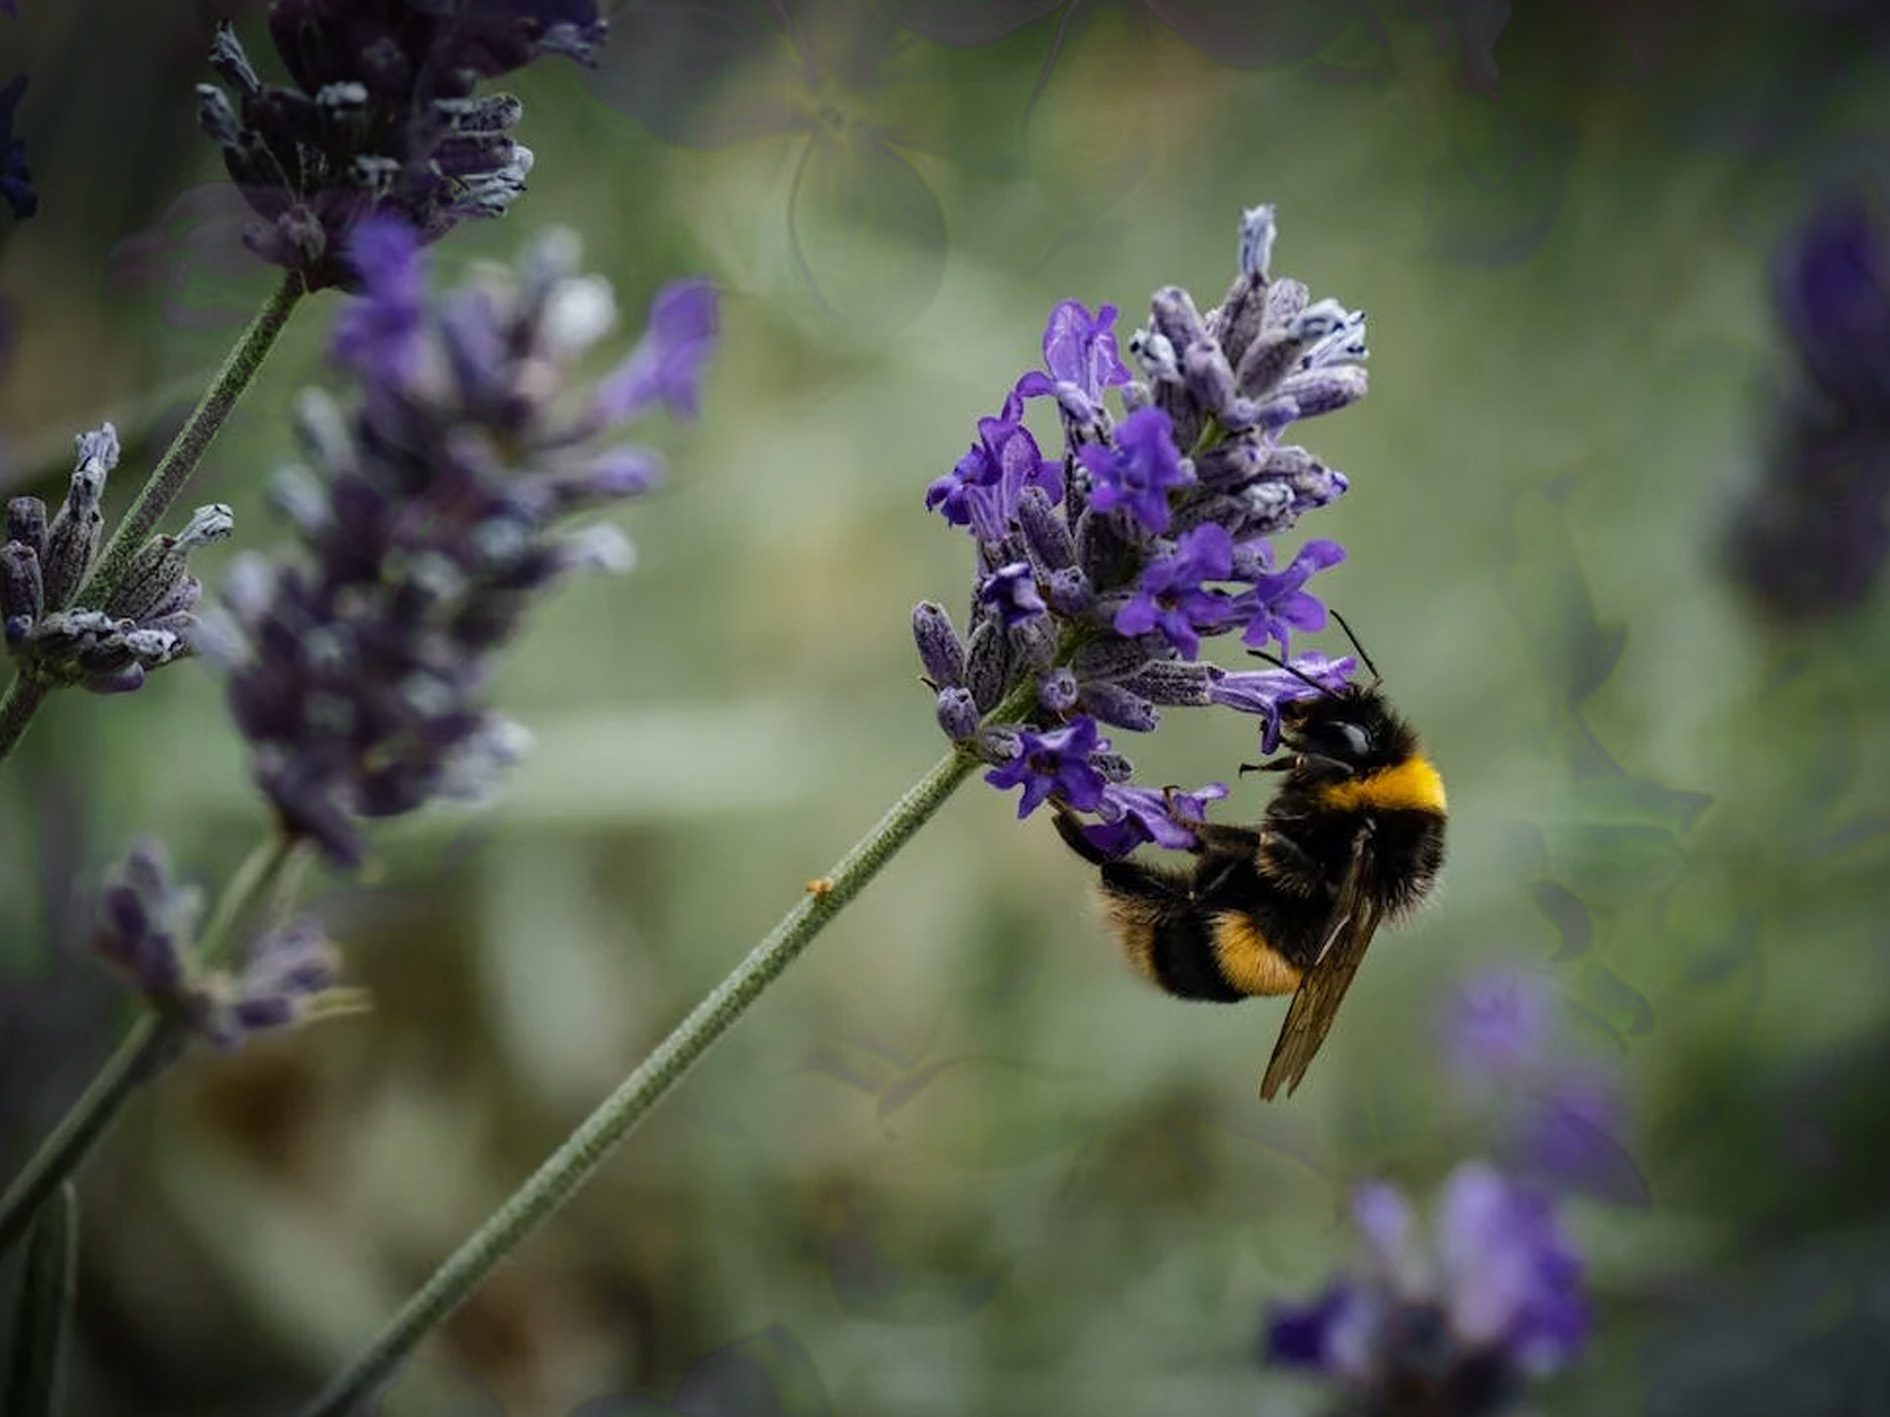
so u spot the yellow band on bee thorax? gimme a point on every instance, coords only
(1410, 785)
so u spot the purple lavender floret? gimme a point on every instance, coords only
(147, 620)
(1458, 1328)
(1173, 597)
(1136, 475)
(1058, 762)
(382, 117)
(1102, 573)
(1011, 591)
(1277, 604)
(1079, 351)
(146, 931)
(431, 519)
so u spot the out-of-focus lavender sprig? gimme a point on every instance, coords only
(144, 623)
(1810, 539)
(16, 178)
(1102, 571)
(146, 931)
(1455, 1328)
(431, 518)
(1553, 1113)
(382, 117)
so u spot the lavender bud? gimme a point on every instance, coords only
(1257, 232)
(145, 921)
(1119, 706)
(72, 539)
(1033, 644)
(21, 595)
(1227, 465)
(940, 650)
(1111, 657)
(1209, 381)
(1172, 682)
(231, 63)
(1324, 390)
(1266, 362)
(1155, 352)
(26, 524)
(957, 714)
(1049, 540)
(1057, 691)
(1262, 509)
(120, 681)
(159, 570)
(1106, 556)
(987, 664)
(1173, 314)
(1113, 766)
(1067, 592)
(1285, 299)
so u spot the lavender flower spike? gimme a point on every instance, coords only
(430, 518)
(381, 118)
(1102, 574)
(1458, 1330)
(148, 621)
(146, 932)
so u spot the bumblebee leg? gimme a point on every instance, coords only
(1225, 840)
(1070, 828)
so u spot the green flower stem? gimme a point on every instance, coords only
(21, 701)
(150, 1043)
(193, 440)
(584, 1151)
(167, 479)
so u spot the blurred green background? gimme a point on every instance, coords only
(960, 1160)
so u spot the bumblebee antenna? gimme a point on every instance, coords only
(1295, 671)
(1376, 676)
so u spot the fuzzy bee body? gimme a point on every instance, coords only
(1353, 838)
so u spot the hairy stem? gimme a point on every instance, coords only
(584, 1151)
(24, 696)
(180, 460)
(150, 1043)
(22, 700)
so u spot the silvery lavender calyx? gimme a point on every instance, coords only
(143, 623)
(1454, 1328)
(382, 115)
(146, 930)
(1102, 571)
(430, 517)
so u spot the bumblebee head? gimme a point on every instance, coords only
(1353, 728)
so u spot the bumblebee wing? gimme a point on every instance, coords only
(1309, 1018)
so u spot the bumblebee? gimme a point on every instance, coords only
(1353, 838)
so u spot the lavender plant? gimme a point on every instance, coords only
(435, 515)
(1458, 1328)
(383, 120)
(1100, 572)
(1098, 575)
(431, 519)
